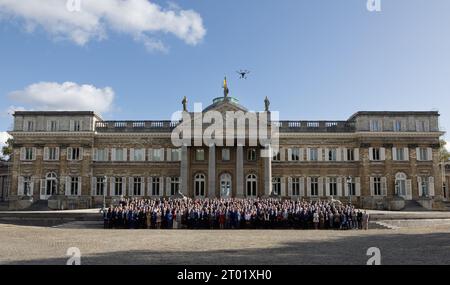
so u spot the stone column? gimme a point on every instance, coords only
(268, 174)
(239, 171)
(184, 170)
(212, 171)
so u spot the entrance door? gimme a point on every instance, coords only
(48, 186)
(225, 185)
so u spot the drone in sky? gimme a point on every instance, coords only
(243, 74)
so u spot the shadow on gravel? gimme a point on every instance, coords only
(395, 248)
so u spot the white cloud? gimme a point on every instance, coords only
(67, 96)
(139, 18)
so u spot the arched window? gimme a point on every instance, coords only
(225, 185)
(199, 185)
(251, 185)
(400, 184)
(50, 184)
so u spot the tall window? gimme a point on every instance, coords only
(276, 186)
(400, 184)
(137, 186)
(295, 186)
(376, 154)
(251, 185)
(351, 186)
(120, 154)
(51, 153)
(422, 126)
(118, 186)
(100, 186)
(74, 153)
(174, 185)
(76, 126)
(101, 154)
(157, 154)
(313, 154)
(50, 184)
(27, 186)
(424, 186)
(400, 154)
(423, 153)
(377, 186)
(314, 186)
(225, 185)
(74, 191)
(176, 154)
(397, 126)
(333, 186)
(225, 154)
(332, 154)
(375, 125)
(251, 154)
(52, 126)
(155, 186)
(199, 154)
(276, 155)
(295, 154)
(29, 153)
(350, 154)
(199, 185)
(139, 154)
(29, 126)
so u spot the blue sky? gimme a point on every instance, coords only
(314, 59)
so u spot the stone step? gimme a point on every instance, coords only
(413, 206)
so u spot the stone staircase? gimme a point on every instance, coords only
(413, 206)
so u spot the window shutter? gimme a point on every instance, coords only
(319, 154)
(161, 153)
(406, 153)
(150, 154)
(408, 189)
(95, 158)
(327, 186)
(356, 154)
(418, 153)
(112, 184)
(344, 154)
(46, 156)
(289, 186)
(22, 153)
(125, 154)
(282, 154)
(124, 186)
(71, 125)
(302, 186)
(301, 154)
(371, 186)
(57, 153)
(431, 185)
(21, 186)
(339, 187)
(168, 180)
(283, 186)
(382, 153)
(383, 186)
(161, 186)
(94, 185)
(149, 186)
(394, 153)
(142, 186)
(69, 153)
(370, 153)
(169, 154)
(42, 187)
(33, 155)
(327, 157)
(320, 186)
(308, 186)
(79, 185)
(339, 154)
(419, 186)
(346, 192)
(429, 153)
(289, 154)
(130, 186)
(113, 154)
(131, 154)
(49, 125)
(358, 186)
(31, 186)
(67, 185)
(81, 154)
(308, 154)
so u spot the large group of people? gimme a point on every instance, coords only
(234, 213)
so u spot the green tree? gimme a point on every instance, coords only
(7, 149)
(444, 155)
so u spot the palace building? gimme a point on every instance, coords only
(75, 159)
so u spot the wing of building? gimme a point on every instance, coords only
(77, 160)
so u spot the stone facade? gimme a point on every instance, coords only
(4, 180)
(78, 160)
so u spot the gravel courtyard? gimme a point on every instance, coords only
(46, 245)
